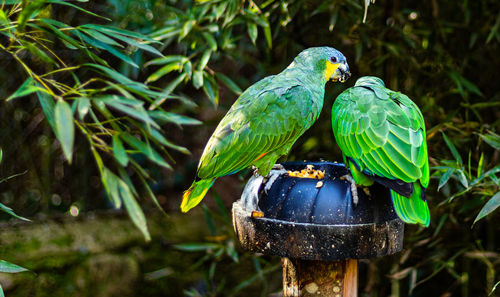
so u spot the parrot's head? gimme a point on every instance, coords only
(369, 81)
(328, 61)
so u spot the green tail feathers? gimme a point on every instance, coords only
(195, 193)
(412, 210)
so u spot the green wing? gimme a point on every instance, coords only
(383, 132)
(265, 121)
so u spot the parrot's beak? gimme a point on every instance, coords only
(342, 73)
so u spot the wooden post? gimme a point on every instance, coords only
(320, 278)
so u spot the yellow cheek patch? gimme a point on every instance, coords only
(330, 69)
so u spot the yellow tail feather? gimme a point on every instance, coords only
(195, 194)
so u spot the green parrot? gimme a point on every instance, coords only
(267, 119)
(382, 137)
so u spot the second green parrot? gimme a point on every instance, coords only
(267, 119)
(382, 137)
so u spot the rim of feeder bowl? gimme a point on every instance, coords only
(315, 219)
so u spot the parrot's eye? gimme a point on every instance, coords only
(333, 59)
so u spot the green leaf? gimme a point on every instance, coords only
(229, 83)
(252, 32)
(32, 48)
(211, 41)
(462, 178)
(453, 149)
(113, 31)
(168, 89)
(186, 28)
(47, 104)
(195, 247)
(110, 182)
(480, 165)
(167, 60)
(10, 268)
(101, 45)
(170, 117)
(210, 89)
(9, 210)
(489, 207)
(61, 2)
(145, 149)
(162, 72)
(130, 41)
(99, 36)
(445, 177)
(119, 151)
(204, 59)
(267, 34)
(28, 87)
(134, 210)
(65, 128)
(492, 139)
(197, 79)
(1, 155)
(83, 107)
(157, 136)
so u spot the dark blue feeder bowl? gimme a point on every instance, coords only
(315, 219)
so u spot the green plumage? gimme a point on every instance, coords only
(265, 121)
(382, 134)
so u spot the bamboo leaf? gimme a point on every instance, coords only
(101, 45)
(211, 41)
(9, 210)
(60, 2)
(83, 107)
(197, 79)
(166, 92)
(65, 128)
(110, 182)
(252, 32)
(489, 207)
(204, 59)
(162, 72)
(28, 87)
(115, 30)
(129, 108)
(195, 247)
(453, 149)
(445, 177)
(229, 83)
(210, 89)
(145, 149)
(133, 209)
(492, 139)
(47, 104)
(119, 151)
(10, 268)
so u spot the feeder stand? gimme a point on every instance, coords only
(314, 226)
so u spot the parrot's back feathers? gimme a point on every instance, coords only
(383, 133)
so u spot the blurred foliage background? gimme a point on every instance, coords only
(101, 101)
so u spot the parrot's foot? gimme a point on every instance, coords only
(278, 170)
(367, 191)
(255, 171)
(354, 189)
(278, 166)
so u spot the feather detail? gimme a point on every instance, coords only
(195, 193)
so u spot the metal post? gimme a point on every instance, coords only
(320, 278)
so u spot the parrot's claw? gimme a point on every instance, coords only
(255, 171)
(367, 191)
(278, 166)
(278, 170)
(354, 189)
